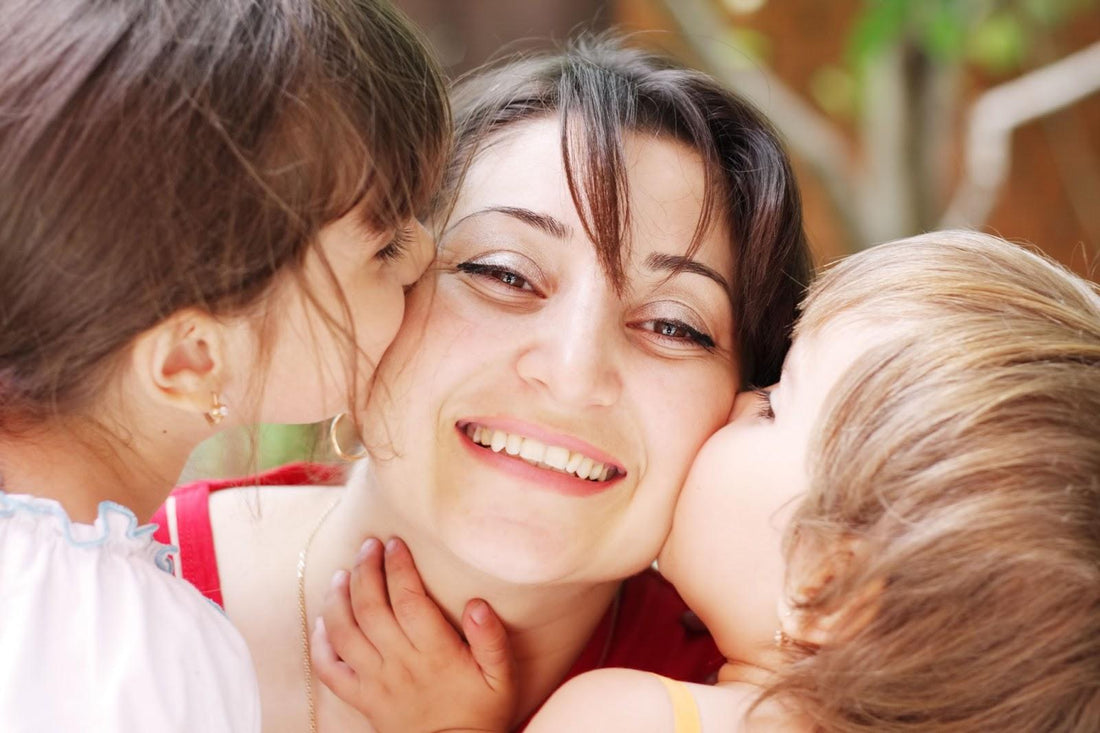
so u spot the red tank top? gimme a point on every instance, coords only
(648, 628)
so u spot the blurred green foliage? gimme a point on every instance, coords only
(242, 451)
(996, 35)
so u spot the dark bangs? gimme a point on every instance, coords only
(598, 101)
(601, 90)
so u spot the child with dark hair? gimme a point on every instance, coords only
(206, 220)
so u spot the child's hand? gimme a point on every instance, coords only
(384, 647)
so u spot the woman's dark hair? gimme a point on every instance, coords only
(159, 155)
(601, 90)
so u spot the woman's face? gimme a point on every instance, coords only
(520, 370)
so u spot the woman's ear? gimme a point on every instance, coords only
(182, 363)
(814, 624)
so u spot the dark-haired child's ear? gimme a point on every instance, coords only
(809, 622)
(181, 363)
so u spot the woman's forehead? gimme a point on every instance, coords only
(524, 172)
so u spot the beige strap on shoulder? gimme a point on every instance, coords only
(685, 711)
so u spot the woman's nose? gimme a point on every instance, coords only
(571, 355)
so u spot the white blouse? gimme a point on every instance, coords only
(96, 634)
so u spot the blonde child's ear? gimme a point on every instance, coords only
(183, 363)
(808, 622)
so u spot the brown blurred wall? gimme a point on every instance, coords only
(467, 33)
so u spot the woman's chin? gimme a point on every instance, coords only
(515, 553)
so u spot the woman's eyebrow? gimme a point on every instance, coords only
(679, 263)
(542, 222)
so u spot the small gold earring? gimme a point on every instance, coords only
(334, 438)
(781, 639)
(218, 412)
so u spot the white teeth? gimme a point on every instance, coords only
(536, 453)
(556, 457)
(532, 450)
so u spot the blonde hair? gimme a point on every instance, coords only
(962, 454)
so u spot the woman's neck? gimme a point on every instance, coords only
(549, 625)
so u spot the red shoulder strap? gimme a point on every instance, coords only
(184, 521)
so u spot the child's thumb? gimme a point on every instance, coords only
(488, 643)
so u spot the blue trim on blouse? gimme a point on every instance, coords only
(10, 505)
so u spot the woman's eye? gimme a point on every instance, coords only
(678, 331)
(765, 410)
(496, 272)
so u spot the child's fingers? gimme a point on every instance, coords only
(488, 640)
(419, 616)
(335, 673)
(342, 632)
(370, 602)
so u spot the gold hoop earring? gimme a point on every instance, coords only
(218, 412)
(335, 440)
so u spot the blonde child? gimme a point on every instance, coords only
(205, 221)
(902, 534)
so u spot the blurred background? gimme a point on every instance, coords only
(902, 116)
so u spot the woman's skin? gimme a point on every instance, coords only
(751, 472)
(515, 328)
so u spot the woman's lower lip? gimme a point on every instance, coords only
(544, 478)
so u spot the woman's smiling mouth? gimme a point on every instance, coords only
(515, 445)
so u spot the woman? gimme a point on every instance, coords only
(620, 249)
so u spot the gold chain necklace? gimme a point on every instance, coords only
(307, 666)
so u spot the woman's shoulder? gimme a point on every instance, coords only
(250, 521)
(255, 509)
(238, 518)
(192, 505)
